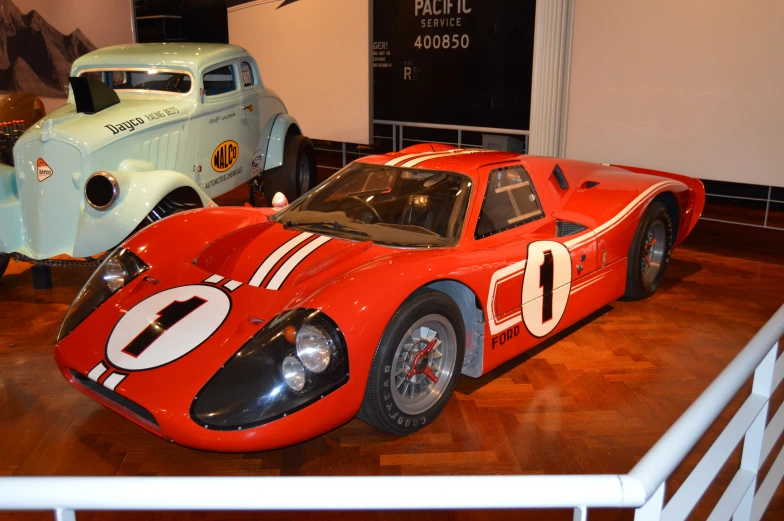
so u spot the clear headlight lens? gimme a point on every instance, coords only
(118, 269)
(293, 373)
(314, 348)
(114, 274)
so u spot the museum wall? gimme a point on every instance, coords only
(40, 39)
(316, 55)
(693, 87)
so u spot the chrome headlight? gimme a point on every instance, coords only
(101, 190)
(118, 269)
(295, 360)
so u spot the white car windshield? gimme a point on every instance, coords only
(178, 82)
(388, 205)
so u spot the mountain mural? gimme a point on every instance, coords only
(34, 56)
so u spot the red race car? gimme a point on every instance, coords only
(233, 329)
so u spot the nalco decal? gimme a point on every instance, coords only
(225, 156)
(44, 170)
(167, 326)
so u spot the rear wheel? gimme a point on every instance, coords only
(649, 253)
(416, 365)
(297, 175)
(4, 258)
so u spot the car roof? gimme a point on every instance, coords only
(463, 161)
(168, 54)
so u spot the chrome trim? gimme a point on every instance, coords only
(145, 69)
(115, 190)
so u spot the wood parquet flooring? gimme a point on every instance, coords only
(592, 400)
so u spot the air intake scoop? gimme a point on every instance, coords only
(91, 95)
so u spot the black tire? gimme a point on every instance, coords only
(290, 178)
(641, 280)
(379, 408)
(4, 259)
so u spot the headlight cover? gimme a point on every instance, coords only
(266, 380)
(118, 269)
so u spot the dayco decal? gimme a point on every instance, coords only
(44, 170)
(131, 125)
(225, 156)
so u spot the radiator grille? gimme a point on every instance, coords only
(125, 403)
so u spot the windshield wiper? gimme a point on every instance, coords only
(331, 225)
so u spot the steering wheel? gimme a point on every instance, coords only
(173, 83)
(364, 203)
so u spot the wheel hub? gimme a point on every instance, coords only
(423, 364)
(652, 254)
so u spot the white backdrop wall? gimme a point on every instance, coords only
(316, 55)
(694, 86)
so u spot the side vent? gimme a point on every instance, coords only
(560, 177)
(566, 228)
(590, 184)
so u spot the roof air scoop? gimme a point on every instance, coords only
(560, 178)
(91, 95)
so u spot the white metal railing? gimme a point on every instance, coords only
(641, 489)
(397, 137)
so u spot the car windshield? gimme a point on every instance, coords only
(388, 205)
(179, 82)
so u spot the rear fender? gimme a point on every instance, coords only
(140, 192)
(281, 127)
(696, 202)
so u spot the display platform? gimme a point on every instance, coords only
(593, 400)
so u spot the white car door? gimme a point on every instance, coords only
(223, 151)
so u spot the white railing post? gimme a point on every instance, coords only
(652, 509)
(752, 442)
(64, 514)
(580, 514)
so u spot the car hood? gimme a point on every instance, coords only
(245, 278)
(90, 132)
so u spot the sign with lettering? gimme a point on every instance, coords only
(461, 62)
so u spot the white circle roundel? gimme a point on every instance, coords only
(546, 285)
(166, 326)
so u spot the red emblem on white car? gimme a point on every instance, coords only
(44, 170)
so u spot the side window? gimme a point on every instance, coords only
(247, 75)
(510, 201)
(219, 81)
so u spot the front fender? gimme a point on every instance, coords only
(277, 139)
(10, 212)
(140, 192)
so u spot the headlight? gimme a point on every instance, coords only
(101, 190)
(118, 269)
(295, 360)
(314, 348)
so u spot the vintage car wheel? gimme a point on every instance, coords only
(297, 175)
(649, 253)
(4, 258)
(416, 365)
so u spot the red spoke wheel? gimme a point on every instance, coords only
(649, 253)
(416, 365)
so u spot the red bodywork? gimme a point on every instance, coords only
(360, 285)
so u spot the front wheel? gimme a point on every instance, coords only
(649, 253)
(297, 175)
(416, 365)
(4, 258)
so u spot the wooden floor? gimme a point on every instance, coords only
(594, 400)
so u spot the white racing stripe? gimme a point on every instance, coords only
(97, 372)
(612, 223)
(113, 380)
(400, 159)
(293, 262)
(273, 259)
(418, 160)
